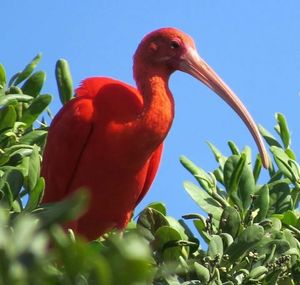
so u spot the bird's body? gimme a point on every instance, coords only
(109, 138)
(97, 153)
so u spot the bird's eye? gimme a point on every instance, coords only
(175, 45)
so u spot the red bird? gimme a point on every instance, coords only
(109, 138)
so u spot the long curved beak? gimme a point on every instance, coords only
(194, 65)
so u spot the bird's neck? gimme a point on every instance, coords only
(158, 109)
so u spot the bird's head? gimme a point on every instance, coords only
(166, 50)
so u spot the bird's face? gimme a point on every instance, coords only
(167, 50)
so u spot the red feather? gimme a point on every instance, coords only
(79, 154)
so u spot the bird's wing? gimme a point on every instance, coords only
(72, 128)
(67, 137)
(152, 170)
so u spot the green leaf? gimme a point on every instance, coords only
(283, 130)
(164, 240)
(200, 225)
(257, 272)
(177, 226)
(64, 80)
(14, 179)
(218, 173)
(202, 273)
(271, 141)
(2, 80)
(239, 181)
(227, 240)
(14, 98)
(63, 211)
(290, 218)
(158, 206)
(280, 199)
(288, 166)
(36, 195)
(233, 169)
(33, 169)
(34, 83)
(245, 241)
(230, 221)
(257, 168)
(201, 176)
(28, 69)
(261, 202)
(35, 109)
(220, 158)
(204, 200)
(37, 137)
(215, 247)
(149, 221)
(8, 118)
(233, 147)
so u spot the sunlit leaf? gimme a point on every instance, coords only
(64, 80)
(28, 69)
(282, 129)
(204, 200)
(35, 109)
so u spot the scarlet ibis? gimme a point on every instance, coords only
(109, 138)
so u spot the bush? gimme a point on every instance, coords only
(249, 233)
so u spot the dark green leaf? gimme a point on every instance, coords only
(33, 85)
(6, 195)
(257, 167)
(28, 69)
(261, 202)
(239, 180)
(245, 241)
(233, 147)
(14, 178)
(280, 199)
(64, 80)
(230, 221)
(35, 109)
(233, 169)
(8, 117)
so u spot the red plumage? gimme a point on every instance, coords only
(109, 138)
(83, 157)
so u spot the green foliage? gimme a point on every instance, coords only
(247, 231)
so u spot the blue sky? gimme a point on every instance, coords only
(253, 45)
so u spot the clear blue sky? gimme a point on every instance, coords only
(254, 46)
